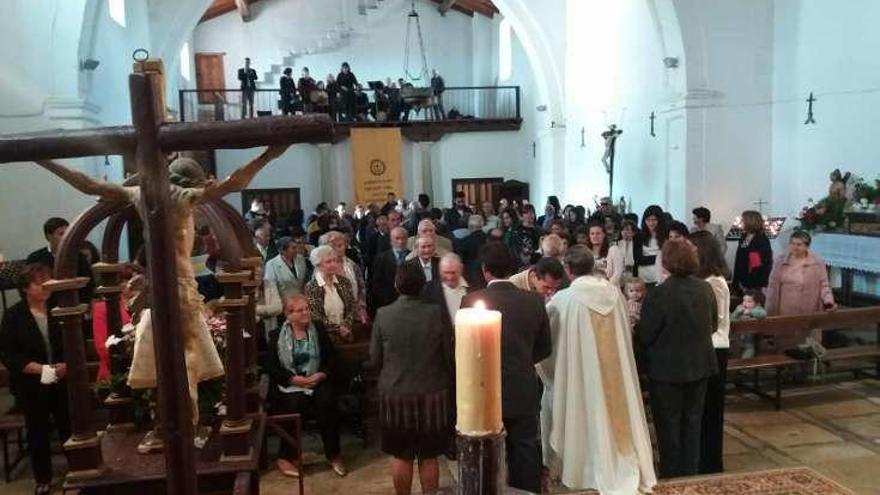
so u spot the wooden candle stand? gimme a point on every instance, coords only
(482, 468)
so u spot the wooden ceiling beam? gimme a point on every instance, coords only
(243, 10)
(445, 5)
(484, 7)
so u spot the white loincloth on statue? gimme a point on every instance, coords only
(202, 360)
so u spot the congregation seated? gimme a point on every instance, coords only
(302, 364)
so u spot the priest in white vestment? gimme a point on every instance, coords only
(596, 425)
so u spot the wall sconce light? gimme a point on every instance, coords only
(670, 62)
(89, 64)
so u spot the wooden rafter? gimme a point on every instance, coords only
(221, 7)
(468, 7)
(445, 6)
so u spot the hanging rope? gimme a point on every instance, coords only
(409, 22)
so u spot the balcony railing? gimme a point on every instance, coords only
(415, 104)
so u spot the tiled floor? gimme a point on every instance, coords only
(832, 427)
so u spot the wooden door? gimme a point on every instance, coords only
(279, 201)
(476, 191)
(210, 74)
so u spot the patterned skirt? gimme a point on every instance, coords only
(415, 426)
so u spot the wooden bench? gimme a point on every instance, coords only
(780, 325)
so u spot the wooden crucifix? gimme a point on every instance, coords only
(652, 118)
(610, 136)
(149, 140)
(810, 101)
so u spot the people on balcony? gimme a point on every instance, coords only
(248, 79)
(287, 92)
(346, 81)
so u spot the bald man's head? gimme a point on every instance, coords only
(427, 228)
(399, 236)
(451, 269)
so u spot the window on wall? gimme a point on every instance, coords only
(117, 11)
(185, 66)
(505, 57)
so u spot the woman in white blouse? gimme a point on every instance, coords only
(330, 295)
(350, 270)
(608, 258)
(713, 270)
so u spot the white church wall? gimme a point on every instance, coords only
(375, 51)
(729, 52)
(831, 51)
(614, 76)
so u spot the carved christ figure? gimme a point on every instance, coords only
(189, 187)
(610, 137)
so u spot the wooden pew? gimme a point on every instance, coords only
(778, 325)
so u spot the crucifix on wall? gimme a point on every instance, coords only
(610, 136)
(810, 101)
(652, 118)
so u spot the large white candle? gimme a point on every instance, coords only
(478, 370)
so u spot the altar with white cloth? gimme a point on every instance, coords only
(854, 263)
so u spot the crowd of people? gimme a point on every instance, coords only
(591, 301)
(343, 97)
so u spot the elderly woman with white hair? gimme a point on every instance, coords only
(350, 270)
(331, 295)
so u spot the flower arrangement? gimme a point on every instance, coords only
(866, 196)
(825, 215)
(217, 327)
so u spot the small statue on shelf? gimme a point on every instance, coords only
(838, 188)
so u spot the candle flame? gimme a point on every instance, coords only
(479, 305)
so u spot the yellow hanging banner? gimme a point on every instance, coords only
(375, 161)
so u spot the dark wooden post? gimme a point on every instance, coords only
(83, 448)
(174, 400)
(252, 388)
(236, 428)
(482, 469)
(119, 403)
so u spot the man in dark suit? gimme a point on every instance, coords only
(469, 250)
(377, 238)
(384, 269)
(457, 216)
(525, 340)
(54, 230)
(248, 78)
(426, 258)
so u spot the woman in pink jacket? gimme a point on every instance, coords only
(799, 285)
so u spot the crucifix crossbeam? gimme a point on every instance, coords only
(121, 140)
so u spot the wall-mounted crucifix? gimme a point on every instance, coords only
(652, 117)
(610, 137)
(583, 139)
(810, 101)
(760, 204)
(534, 149)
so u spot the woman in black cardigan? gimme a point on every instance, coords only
(301, 361)
(31, 349)
(677, 321)
(754, 257)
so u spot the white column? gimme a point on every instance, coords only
(325, 171)
(427, 172)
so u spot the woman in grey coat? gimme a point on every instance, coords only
(414, 353)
